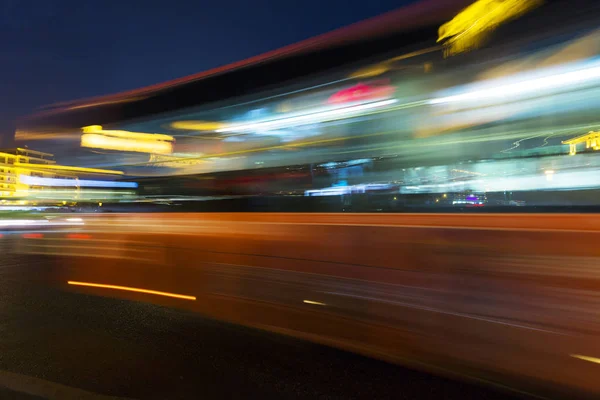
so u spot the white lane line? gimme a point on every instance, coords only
(46, 389)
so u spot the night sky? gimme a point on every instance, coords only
(57, 50)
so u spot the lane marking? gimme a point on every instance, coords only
(132, 289)
(586, 358)
(316, 303)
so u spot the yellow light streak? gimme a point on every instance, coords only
(197, 125)
(468, 29)
(388, 65)
(96, 141)
(39, 153)
(126, 134)
(315, 303)
(67, 168)
(132, 289)
(175, 161)
(586, 358)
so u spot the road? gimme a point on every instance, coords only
(57, 344)
(510, 299)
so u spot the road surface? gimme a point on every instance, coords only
(57, 344)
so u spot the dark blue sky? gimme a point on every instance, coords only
(56, 50)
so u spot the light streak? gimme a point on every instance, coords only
(96, 141)
(339, 190)
(94, 136)
(304, 119)
(67, 168)
(23, 208)
(280, 147)
(532, 86)
(586, 358)
(132, 289)
(37, 222)
(78, 236)
(60, 182)
(197, 125)
(315, 303)
(97, 129)
(22, 222)
(32, 235)
(385, 66)
(468, 29)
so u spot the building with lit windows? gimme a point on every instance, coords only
(30, 175)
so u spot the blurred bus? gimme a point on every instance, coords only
(513, 121)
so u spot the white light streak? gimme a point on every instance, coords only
(339, 190)
(305, 119)
(8, 223)
(59, 182)
(532, 86)
(22, 222)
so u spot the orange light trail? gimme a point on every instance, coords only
(78, 236)
(32, 235)
(132, 289)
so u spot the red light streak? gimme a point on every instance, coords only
(81, 236)
(32, 235)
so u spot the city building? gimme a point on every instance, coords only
(33, 176)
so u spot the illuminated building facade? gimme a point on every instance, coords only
(32, 175)
(18, 163)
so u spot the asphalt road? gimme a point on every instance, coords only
(56, 344)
